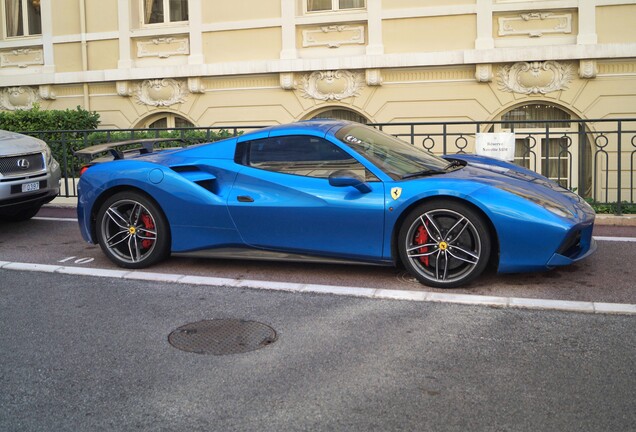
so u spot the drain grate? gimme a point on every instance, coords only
(222, 336)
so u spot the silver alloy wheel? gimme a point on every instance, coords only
(129, 231)
(443, 246)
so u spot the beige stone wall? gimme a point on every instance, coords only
(240, 10)
(424, 34)
(239, 45)
(615, 24)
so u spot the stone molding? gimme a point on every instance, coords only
(22, 58)
(163, 47)
(333, 36)
(535, 24)
(535, 77)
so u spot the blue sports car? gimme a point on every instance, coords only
(330, 190)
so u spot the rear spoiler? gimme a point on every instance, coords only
(118, 149)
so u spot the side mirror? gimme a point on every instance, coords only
(342, 178)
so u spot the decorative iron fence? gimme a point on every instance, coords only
(595, 158)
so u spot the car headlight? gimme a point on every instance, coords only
(47, 155)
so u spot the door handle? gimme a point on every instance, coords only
(245, 198)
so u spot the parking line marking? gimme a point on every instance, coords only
(421, 296)
(54, 219)
(616, 239)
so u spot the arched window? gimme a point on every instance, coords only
(341, 114)
(547, 141)
(165, 121)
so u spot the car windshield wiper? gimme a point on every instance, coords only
(453, 164)
(423, 173)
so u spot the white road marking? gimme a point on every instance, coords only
(616, 239)
(423, 296)
(55, 219)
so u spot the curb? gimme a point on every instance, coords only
(421, 296)
(613, 220)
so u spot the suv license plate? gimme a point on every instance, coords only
(30, 187)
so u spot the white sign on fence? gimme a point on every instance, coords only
(500, 145)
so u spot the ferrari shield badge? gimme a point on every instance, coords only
(396, 192)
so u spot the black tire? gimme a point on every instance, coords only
(444, 244)
(132, 230)
(21, 215)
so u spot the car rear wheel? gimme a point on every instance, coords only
(132, 230)
(444, 244)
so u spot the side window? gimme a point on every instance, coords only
(22, 17)
(333, 5)
(164, 11)
(302, 155)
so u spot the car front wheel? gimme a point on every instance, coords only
(132, 230)
(444, 244)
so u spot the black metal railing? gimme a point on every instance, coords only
(595, 158)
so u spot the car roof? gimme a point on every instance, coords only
(316, 125)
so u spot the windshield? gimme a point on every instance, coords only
(395, 157)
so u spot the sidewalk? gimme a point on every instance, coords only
(601, 219)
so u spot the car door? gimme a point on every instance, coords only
(282, 199)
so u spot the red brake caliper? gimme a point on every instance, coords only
(421, 237)
(147, 221)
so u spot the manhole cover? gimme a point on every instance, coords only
(222, 336)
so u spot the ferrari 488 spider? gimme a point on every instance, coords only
(330, 190)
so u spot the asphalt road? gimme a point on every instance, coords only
(607, 276)
(80, 353)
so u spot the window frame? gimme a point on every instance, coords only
(166, 15)
(335, 7)
(26, 30)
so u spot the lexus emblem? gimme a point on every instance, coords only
(23, 164)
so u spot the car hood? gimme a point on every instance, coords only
(12, 143)
(522, 182)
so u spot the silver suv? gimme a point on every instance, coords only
(29, 176)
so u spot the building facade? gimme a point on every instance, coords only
(174, 63)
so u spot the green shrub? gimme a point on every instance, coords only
(58, 128)
(35, 119)
(612, 208)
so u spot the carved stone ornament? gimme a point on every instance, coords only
(14, 98)
(163, 47)
(535, 77)
(535, 24)
(46, 92)
(374, 77)
(287, 81)
(483, 73)
(331, 85)
(161, 92)
(22, 57)
(333, 36)
(588, 69)
(124, 88)
(195, 85)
